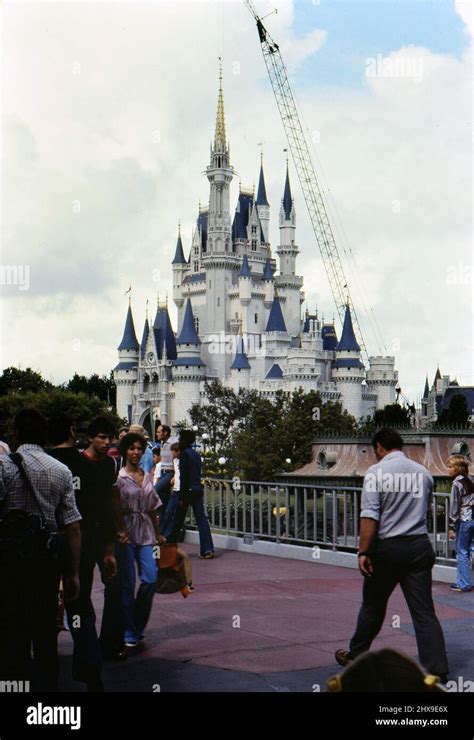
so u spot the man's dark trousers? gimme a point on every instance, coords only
(87, 659)
(408, 561)
(28, 608)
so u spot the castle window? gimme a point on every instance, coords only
(254, 229)
(256, 318)
(218, 301)
(196, 324)
(254, 245)
(196, 267)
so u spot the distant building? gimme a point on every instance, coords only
(439, 396)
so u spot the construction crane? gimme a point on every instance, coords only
(307, 176)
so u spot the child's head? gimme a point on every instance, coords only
(175, 450)
(458, 465)
(384, 670)
(156, 455)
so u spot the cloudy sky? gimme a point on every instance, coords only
(107, 113)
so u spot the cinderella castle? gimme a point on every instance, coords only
(239, 316)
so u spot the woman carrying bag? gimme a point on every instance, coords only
(138, 538)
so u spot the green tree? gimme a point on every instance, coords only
(258, 446)
(15, 380)
(456, 414)
(393, 415)
(257, 435)
(223, 413)
(79, 406)
(285, 430)
(94, 385)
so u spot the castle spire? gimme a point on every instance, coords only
(129, 340)
(220, 135)
(179, 258)
(261, 192)
(287, 197)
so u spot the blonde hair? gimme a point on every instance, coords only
(459, 463)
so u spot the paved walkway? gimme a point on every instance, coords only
(261, 623)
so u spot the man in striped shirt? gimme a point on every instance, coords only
(29, 587)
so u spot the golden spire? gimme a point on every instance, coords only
(220, 137)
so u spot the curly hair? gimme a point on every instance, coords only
(128, 440)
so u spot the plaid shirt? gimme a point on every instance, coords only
(51, 480)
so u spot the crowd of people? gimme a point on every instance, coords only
(64, 510)
(122, 500)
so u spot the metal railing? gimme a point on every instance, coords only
(308, 515)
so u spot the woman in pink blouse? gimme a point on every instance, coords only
(138, 538)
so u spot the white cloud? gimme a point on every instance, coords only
(113, 105)
(465, 10)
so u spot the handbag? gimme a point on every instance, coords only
(25, 535)
(170, 579)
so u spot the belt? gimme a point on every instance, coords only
(167, 470)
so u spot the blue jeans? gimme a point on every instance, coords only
(196, 501)
(163, 489)
(168, 523)
(137, 610)
(464, 542)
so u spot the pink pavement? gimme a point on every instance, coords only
(255, 615)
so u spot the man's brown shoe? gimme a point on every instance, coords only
(343, 657)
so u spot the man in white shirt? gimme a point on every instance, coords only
(163, 486)
(394, 549)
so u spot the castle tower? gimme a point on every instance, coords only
(126, 372)
(348, 371)
(245, 291)
(287, 249)
(216, 260)
(382, 379)
(240, 368)
(219, 173)
(268, 283)
(188, 367)
(180, 267)
(276, 340)
(288, 283)
(263, 206)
